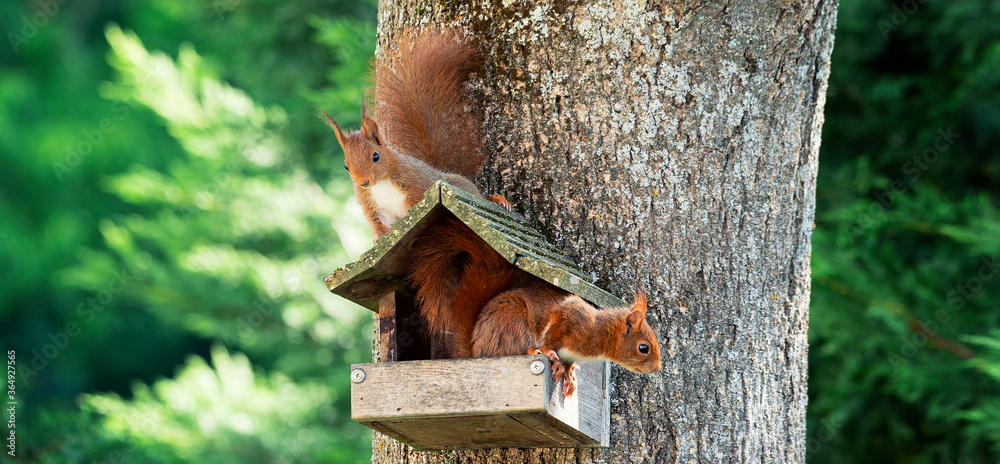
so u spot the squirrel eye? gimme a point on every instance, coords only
(643, 348)
(347, 168)
(374, 157)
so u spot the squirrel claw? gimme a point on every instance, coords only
(560, 371)
(553, 357)
(500, 200)
(569, 380)
(569, 387)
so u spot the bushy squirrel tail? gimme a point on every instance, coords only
(456, 273)
(422, 105)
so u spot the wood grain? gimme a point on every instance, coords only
(481, 402)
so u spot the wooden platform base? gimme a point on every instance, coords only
(481, 403)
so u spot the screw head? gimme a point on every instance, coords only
(536, 367)
(357, 375)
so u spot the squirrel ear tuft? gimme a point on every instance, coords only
(639, 302)
(336, 128)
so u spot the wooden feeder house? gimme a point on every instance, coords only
(478, 402)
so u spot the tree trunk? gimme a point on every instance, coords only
(670, 146)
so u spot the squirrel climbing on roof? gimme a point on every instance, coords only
(426, 130)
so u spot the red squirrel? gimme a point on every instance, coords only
(455, 274)
(476, 303)
(422, 106)
(540, 318)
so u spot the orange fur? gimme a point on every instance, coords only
(539, 317)
(422, 103)
(426, 133)
(455, 273)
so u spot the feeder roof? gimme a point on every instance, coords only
(383, 268)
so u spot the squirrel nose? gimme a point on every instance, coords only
(365, 184)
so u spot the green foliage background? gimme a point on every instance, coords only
(906, 251)
(169, 203)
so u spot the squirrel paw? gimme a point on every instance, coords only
(500, 200)
(559, 371)
(569, 380)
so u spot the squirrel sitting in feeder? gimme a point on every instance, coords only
(455, 273)
(476, 303)
(539, 318)
(422, 107)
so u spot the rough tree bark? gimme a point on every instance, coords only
(670, 145)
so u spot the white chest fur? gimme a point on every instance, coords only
(390, 201)
(568, 355)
